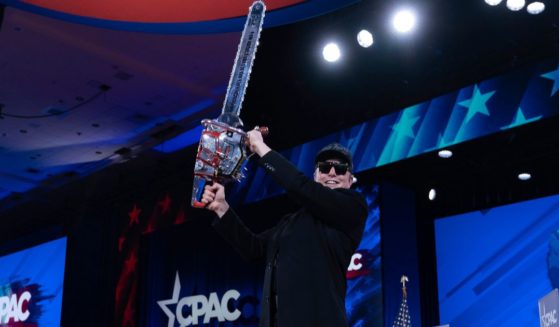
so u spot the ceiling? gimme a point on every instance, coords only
(78, 97)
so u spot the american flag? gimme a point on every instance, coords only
(403, 319)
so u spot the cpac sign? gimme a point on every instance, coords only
(548, 306)
(355, 263)
(190, 309)
(358, 265)
(13, 308)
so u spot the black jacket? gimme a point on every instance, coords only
(313, 246)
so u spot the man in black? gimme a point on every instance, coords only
(307, 253)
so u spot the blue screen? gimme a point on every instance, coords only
(494, 265)
(31, 284)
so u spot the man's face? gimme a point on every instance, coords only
(325, 174)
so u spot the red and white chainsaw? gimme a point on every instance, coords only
(222, 151)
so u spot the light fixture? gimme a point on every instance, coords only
(365, 38)
(331, 52)
(536, 7)
(404, 21)
(524, 176)
(493, 2)
(515, 5)
(432, 194)
(445, 153)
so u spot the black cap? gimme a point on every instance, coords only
(335, 151)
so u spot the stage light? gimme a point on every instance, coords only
(331, 52)
(536, 7)
(432, 194)
(365, 38)
(515, 5)
(445, 154)
(493, 2)
(524, 176)
(404, 21)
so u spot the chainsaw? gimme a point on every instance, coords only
(222, 151)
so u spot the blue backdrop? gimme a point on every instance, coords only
(494, 265)
(39, 272)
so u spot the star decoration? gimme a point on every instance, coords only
(165, 204)
(405, 125)
(519, 119)
(477, 103)
(554, 76)
(134, 216)
(164, 304)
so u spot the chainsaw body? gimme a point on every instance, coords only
(221, 157)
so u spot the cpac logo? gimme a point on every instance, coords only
(12, 308)
(200, 306)
(358, 265)
(355, 263)
(548, 318)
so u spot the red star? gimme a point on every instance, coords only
(165, 204)
(121, 241)
(134, 215)
(130, 263)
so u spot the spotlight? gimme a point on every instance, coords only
(331, 52)
(404, 21)
(515, 5)
(445, 154)
(365, 38)
(524, 176)
(536, 7)
(493, 2)
(432, 194)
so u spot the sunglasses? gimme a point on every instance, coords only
(339, 168)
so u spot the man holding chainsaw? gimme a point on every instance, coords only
(307, 253)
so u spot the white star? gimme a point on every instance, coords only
(164, 303)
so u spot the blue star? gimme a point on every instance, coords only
(405, 125)
(477, 103)
(174, 300)
(520, 120)
(554, 76)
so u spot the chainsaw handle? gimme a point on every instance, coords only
(263, 130)
(197, 191)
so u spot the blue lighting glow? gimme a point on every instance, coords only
(181, 141)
